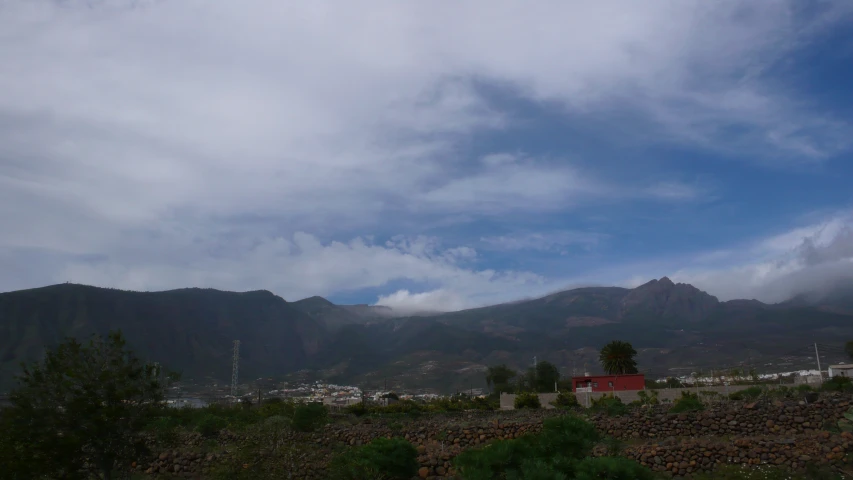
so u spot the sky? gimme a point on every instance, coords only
(426, 155)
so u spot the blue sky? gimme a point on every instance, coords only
(423, 156)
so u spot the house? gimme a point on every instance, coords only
(843, 370)
(609, 383)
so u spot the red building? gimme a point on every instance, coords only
(610, 383)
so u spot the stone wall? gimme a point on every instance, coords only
(507, 400)
(786, 433)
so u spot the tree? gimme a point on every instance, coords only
(547, 376)
(499, 376)
(617, 358)
(80, 411)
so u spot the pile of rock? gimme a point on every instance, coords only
(771, 418)
(176, 463)
(771, 432)
(685, 456)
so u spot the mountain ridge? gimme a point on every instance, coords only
(191, 329)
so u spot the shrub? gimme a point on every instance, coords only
(647, 398)
(610, 405)
(688, 402)
(838, 384)
(560, 451)
(804, 388)
(384, 458)
(275, 407)
(210, 425)
(751, 393)
(527, 400)
(308, 417)
(357, 409)
(565, 400)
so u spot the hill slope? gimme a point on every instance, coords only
(672, 325)
(189, 329)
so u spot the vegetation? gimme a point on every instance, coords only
(846, 423)
(648, 398)
(527, 400)
(383, 458)
(566, 400)
(499, 377)
(617, 358)
(81, 410)
(611, 405)
(543, 378)
(264, 452)
(308, 417)
(749, 394)
(688, 402)
(838, 384)
(561, 450)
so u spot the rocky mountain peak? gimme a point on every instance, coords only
(668, 299)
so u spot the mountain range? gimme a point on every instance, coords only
(676, 328)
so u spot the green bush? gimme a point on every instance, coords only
(749, 394)
(560, 451)
(610, 405)
(275, 407)
(309, 417)
(210, 425)
(565, 400)
(688, 402)
(527, 400)
(357, 409)
(383, 458)
(648, 397)
(838, 384)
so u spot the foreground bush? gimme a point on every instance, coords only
(688, 402)
(838, 384)
(309, 417)
(560, 451)
(382, 458)
(265, 452)
(749, 394)
(210, 425)
(610, 405)
(527, 400)
(565, 400)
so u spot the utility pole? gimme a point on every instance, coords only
(235, 367)
(534, 362)
(817, 357)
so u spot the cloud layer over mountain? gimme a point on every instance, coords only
(423, 155)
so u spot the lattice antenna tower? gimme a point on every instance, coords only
(235, 367)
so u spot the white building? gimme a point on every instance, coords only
(843, 370)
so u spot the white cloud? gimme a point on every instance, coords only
(809, 259)
(673, 191)
(547, 241)
(441, 300)
(192, 143)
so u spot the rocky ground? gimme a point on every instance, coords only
(790, 433)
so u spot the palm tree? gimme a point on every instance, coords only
(617, 358)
